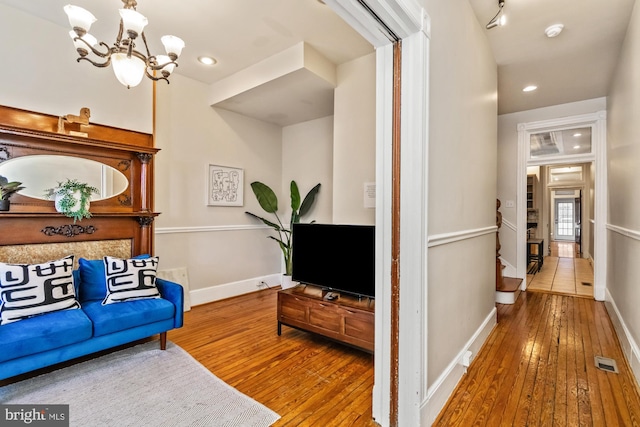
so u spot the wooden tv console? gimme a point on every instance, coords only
(346, 319)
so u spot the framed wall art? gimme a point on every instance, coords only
(225, 186)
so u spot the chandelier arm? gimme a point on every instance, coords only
(94, 50)
(154, 78)
(96, 64)
(146, 46)
(161, 67)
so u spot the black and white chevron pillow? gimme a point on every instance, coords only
(27, 290)
(130, 279)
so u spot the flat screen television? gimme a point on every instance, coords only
(336, 257)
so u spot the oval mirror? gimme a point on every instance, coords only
(41, 172)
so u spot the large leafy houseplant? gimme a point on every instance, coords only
(269, 202)
(72, 198)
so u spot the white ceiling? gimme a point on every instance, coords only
(576, 65)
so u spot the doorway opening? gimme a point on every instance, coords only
(567, 158)
(564, 190)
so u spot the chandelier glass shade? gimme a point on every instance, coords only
(129, 64)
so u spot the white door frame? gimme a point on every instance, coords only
(408, 22)
(597, 122)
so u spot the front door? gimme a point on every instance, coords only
(564, 222)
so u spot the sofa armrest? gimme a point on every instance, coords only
(175, 293)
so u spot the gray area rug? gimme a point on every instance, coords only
(142, 386)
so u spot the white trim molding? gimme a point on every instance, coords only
(629, 346)
(511, 226)
(598, 122)
(208, 229)
(456, 236)
(633, 234)
(232, 289)
(382, 22)
(445, 384)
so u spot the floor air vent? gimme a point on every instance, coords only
(606, 364)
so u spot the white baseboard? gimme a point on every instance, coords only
(438, 394)
(228, 290)
(629, 346)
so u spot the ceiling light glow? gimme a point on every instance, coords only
(575, 147)
(577, 134)
(554, 30)
(207, 60)
(530, 88)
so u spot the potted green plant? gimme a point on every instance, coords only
(269, 202)
(6, 191)
(72, 198)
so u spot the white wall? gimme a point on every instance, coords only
(354, 153)
(623, 141)
(508, 160)
(307, 153)
(213, 242)
(39, 73)
(462, 190)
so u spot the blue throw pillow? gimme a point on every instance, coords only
(93, 284)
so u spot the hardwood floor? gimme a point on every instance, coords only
(537, 369)
(563, 272)
(308, 380)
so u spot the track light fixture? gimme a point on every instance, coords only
(499, 19)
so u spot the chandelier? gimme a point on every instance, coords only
(129, 65)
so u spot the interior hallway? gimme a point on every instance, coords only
(537, 368)
(563, 272)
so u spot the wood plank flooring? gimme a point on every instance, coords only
(571, 276)
(537, 369)
(308, 380)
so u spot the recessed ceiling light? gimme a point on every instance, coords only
(530, 88)
(207, 60)
(577, 134)
(575, 147)
(554, 30)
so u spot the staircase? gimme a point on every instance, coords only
(507, 288)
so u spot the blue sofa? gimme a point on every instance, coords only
(51, 338)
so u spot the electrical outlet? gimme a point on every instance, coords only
(510, 204)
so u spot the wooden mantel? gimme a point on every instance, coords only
(127, 215)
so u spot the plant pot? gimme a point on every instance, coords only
(4, 205)
(76, 206)
(287, 282)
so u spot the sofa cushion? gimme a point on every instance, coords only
(130, 279)
(94, 283)
(42, 333)
(30, 289)
(111, 318)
